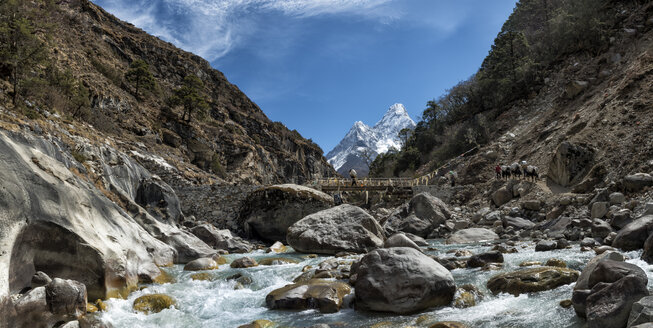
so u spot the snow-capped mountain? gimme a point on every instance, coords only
(363, 142)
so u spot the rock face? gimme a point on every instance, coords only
(634, 235)
(517, 223)
(221, 239)
(344, 228)
(67, 228)
(401, 280)
(609, 304)
(501, 196)
(472, 235)
(582, 288)
(420, 216)
(267, 213)
(325, 295)
(570, 164)
(531, 280)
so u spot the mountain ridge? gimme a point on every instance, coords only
(363, 141)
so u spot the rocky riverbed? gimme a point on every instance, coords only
(224, 302)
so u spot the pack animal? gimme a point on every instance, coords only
(531, 172)
(515, 170)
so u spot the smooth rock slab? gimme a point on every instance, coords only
(531, 280)
(401, 280)
(325, 295)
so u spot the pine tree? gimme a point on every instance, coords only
(140, 77)
(190, 96)
(21, 50)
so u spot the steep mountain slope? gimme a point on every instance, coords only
(233, 140)
(362, 143)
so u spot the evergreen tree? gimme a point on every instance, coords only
(140, 77)
(21, 50)
(190, 96)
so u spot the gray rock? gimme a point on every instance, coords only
(609, 271)
(66, 297)
(472, 235)
(641, 312)
(201, 264)
(244, 262)
(533, 205)
(647, 255)
(609, 305)
(634, 234)
(545, 245)
(638, 181)
(582, 288)
(327, 296)
(221, 239)
(419, 216)
(517, 223)
(71, 324)
(344, 228)
(600, 228)
(416, 239)
(648, 209)
(490, 218)
(400, 240)
(588, 242)
(267, 213)
(621, 218)
(599, 210)
(617, 198)
(501, 196)
(159, 199)
(480, 260)
(401, 280)
(187, 246)
(40, 279)
(573, 88)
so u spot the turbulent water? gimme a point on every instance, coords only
(217, 304)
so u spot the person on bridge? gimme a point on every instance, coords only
(497, 170)
(352, 174)
(452, 178)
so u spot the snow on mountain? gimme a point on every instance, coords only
(362, 141)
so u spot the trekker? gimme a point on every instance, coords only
(497, 170)
(452, 178)
(352, 174)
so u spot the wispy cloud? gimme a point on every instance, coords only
(212, 28)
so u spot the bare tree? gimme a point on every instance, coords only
(367, 155)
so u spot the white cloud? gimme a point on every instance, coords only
(211, 28)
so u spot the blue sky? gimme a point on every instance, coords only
(320, 65)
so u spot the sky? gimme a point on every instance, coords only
(320, 65)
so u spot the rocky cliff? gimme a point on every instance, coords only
(233, 140)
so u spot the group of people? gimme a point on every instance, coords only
(518, 170)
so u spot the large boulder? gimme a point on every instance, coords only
(419, 216)
(204, 263)
(153, 303)
(501, 196)
(401, 280)
(344, 228)
(608, 271)
(66, 297)
(267, 213)
(647, 255)
(582, 287)
(634, 235)
(570, 164)
(187, 247)
(610, 304)
(472, 235)
(638, 181)
(531, 280)
(325, 295)
(221, 239)
(517, 223)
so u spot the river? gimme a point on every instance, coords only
(217, 304)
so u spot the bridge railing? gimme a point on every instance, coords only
(368, 182)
